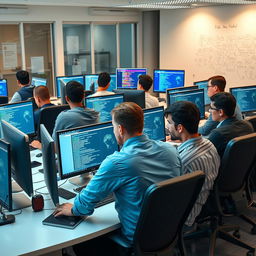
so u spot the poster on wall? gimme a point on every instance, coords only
(10, 60)
(37, 64)
(72, 44)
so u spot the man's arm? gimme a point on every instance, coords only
(15, 98)
(208, 126)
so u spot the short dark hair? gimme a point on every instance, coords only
(185, 113)
(145, 81)
(130, 116)
(225, 101)
(42, 92)
(75, 91)
(23, 77)
(103, 79)
(219, 81)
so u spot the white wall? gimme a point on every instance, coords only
(210, 41)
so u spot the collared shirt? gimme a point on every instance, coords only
(128, 173)
(200, 154)
(151, 101)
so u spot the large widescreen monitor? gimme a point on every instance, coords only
(61, 81)
(245, 97)
(204, 85)
(154, 126)
(91, 82)
(104, 105)
(82, 150)
(127, 78)
(37, 81)
(3, 87)
(165, 79)
(20, 115)
(195, 96)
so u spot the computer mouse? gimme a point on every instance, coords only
(39, 154)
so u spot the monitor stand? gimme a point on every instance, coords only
(20, 201)
(81, 180)
(15, 187)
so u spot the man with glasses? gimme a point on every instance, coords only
(216, 84)
(222, 110)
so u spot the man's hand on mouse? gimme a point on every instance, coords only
(36, 144)
(63, 209)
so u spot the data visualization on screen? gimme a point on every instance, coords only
(165, 79)
(20, 115)
(104, 105)
(245, 97)
(37, 81)
(127, 78)
(3, 87)
(83, 149)
(154, 126)
(91, 82)
(204, 85)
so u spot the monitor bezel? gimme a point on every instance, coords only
(6, 87)
(183, 70)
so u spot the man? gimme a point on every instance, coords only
(196, 152)
(103, 84)
(26, 90)
(216, 84)
(222, 109)
(144, 83)
(127, 173)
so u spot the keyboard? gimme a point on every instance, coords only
(79, 189)
(65, 193)
(106, 200)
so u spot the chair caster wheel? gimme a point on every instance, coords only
(253, 230)
(236, 234)
(250, 253)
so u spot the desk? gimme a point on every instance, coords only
(28, 236)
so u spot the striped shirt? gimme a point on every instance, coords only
(200, 154)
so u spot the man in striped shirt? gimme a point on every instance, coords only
(196, 152)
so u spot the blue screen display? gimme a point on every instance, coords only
(203, 85)
(164, 79)
(104, 105)
(20, 115)
(245, 97)
(84, 149)
(93, 80)
(128, 78)
(3, 87)
(37, 81)
(195, 96)
(154, 126)
(63, 80)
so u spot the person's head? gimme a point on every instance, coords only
(183, 118)
(145, 82)
(74, 92)
(223, 106)
(22, 78)
(41, 95)
(216, 84)
(104, 80)
(128, 121)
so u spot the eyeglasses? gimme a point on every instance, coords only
(211, 108)
(208, 86)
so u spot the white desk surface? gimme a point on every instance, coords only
(28, 236)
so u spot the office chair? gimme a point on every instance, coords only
(3, 99)
(165, 209)
(252, 120)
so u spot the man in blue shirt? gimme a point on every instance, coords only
(127, 173)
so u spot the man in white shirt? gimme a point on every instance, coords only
(145, 82)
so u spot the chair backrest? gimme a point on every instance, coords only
(252, 120)
(165, 209)
(237, 162)
(48, 116)
(3, 99)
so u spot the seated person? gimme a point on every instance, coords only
(126, 173)
(26, 90)
(103, 84)
(196, 152)
(144, 83)
(216, 84)
(222, 110)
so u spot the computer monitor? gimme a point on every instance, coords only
(245, 97)
(82, 150)
(104, 105)
(20, 159)
(195, 96)
(204, 85)
(3, 87)
(127, 78)
(91, 82)
(63, 80)
(37, 81)
(20, 115)
(165, 79)
(154, 126)
(49, 164)
(136, 96)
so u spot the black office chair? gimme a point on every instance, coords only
(3, 99)
(165, 209)
(252, 120)
(48, 116)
